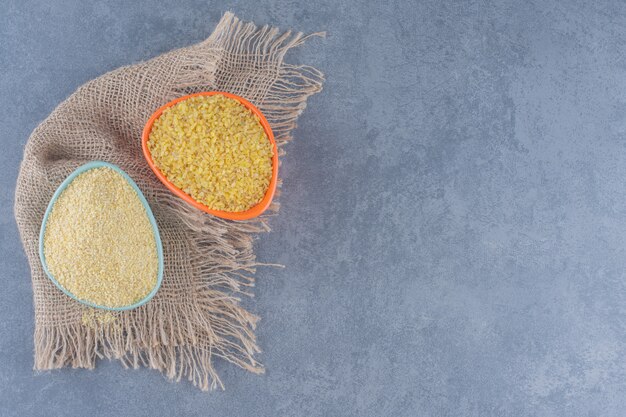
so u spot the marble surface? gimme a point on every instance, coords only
(453, 215)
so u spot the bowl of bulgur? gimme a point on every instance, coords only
(216, 151)
(99, 242)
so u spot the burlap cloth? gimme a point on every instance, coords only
(196, 315)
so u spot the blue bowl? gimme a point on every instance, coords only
(155, 229)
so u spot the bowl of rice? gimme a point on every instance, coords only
(216, 151)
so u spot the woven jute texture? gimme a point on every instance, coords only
(209, 263)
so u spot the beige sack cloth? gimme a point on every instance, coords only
(196, 316)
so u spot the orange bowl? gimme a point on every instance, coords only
(252, 212)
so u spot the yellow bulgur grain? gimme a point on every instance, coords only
(93, 318)
(98, 241)
(215, 150)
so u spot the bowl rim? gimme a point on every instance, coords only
(159, 245)
(252, 212)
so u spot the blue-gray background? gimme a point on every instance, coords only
(452, 222)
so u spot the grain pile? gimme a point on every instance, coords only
(98, 243)
(215, 150)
